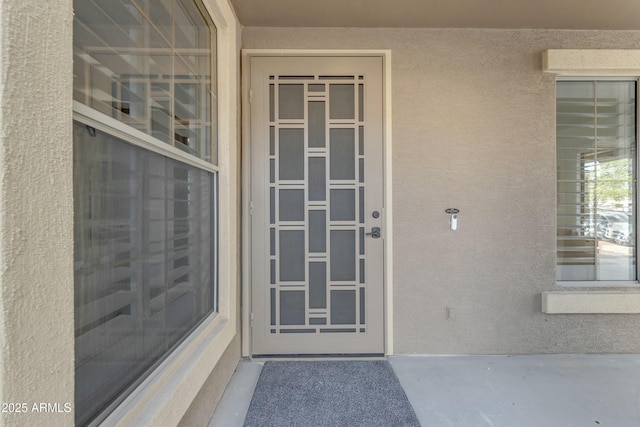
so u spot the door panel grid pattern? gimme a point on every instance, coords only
(316, 204)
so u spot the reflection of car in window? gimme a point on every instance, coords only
(617, 228)
(602, 223)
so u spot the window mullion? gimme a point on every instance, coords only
(635, 178)
(596, 176)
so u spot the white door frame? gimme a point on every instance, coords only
(247, 54)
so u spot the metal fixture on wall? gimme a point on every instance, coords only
(453, 220)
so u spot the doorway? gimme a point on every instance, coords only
(317, 208)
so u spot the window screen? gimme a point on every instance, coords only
(144, 261)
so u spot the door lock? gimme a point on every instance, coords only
(375, 232)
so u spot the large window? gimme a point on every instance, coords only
(145, 215)
(596, 166)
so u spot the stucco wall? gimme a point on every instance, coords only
(36, 212)
(36, 227)
(203, 406)
(474, 129)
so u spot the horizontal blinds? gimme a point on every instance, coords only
(144, 260)
(595, 180)
(149, 64)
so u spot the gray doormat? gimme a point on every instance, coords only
(329, 394)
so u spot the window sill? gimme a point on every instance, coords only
(591, 302)
(164, 397)
(598, 284)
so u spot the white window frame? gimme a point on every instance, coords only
(88, 116)
(108, 125)
(167, 393)
(614, 283)
(588, 299)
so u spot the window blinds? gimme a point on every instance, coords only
(144, 261)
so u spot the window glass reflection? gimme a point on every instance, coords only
(596, 161)
(144, 275)
(149, 65)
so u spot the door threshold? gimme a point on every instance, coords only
(289, 357)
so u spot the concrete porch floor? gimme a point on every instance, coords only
(494, 391)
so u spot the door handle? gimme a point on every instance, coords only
(375, 232)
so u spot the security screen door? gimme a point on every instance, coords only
(317, 206)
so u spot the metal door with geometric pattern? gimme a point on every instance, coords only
(317, 206)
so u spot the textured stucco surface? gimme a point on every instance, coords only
(36, 210)
(567, 14)
(203, 406)
(474, 129)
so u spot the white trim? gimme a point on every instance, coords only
(247, 53)
(595, 62)
(104, 123)
(597, 284)
(246, 207)
(385, 54)
(603, 78)
(591, 302)
(388, 200)
(144, 405)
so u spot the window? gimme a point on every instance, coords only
(145, 190)
(148, 63)
(596, 180)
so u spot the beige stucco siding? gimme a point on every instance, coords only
(36, 211)
(474, 129)
(202, 408)
(36, 232)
